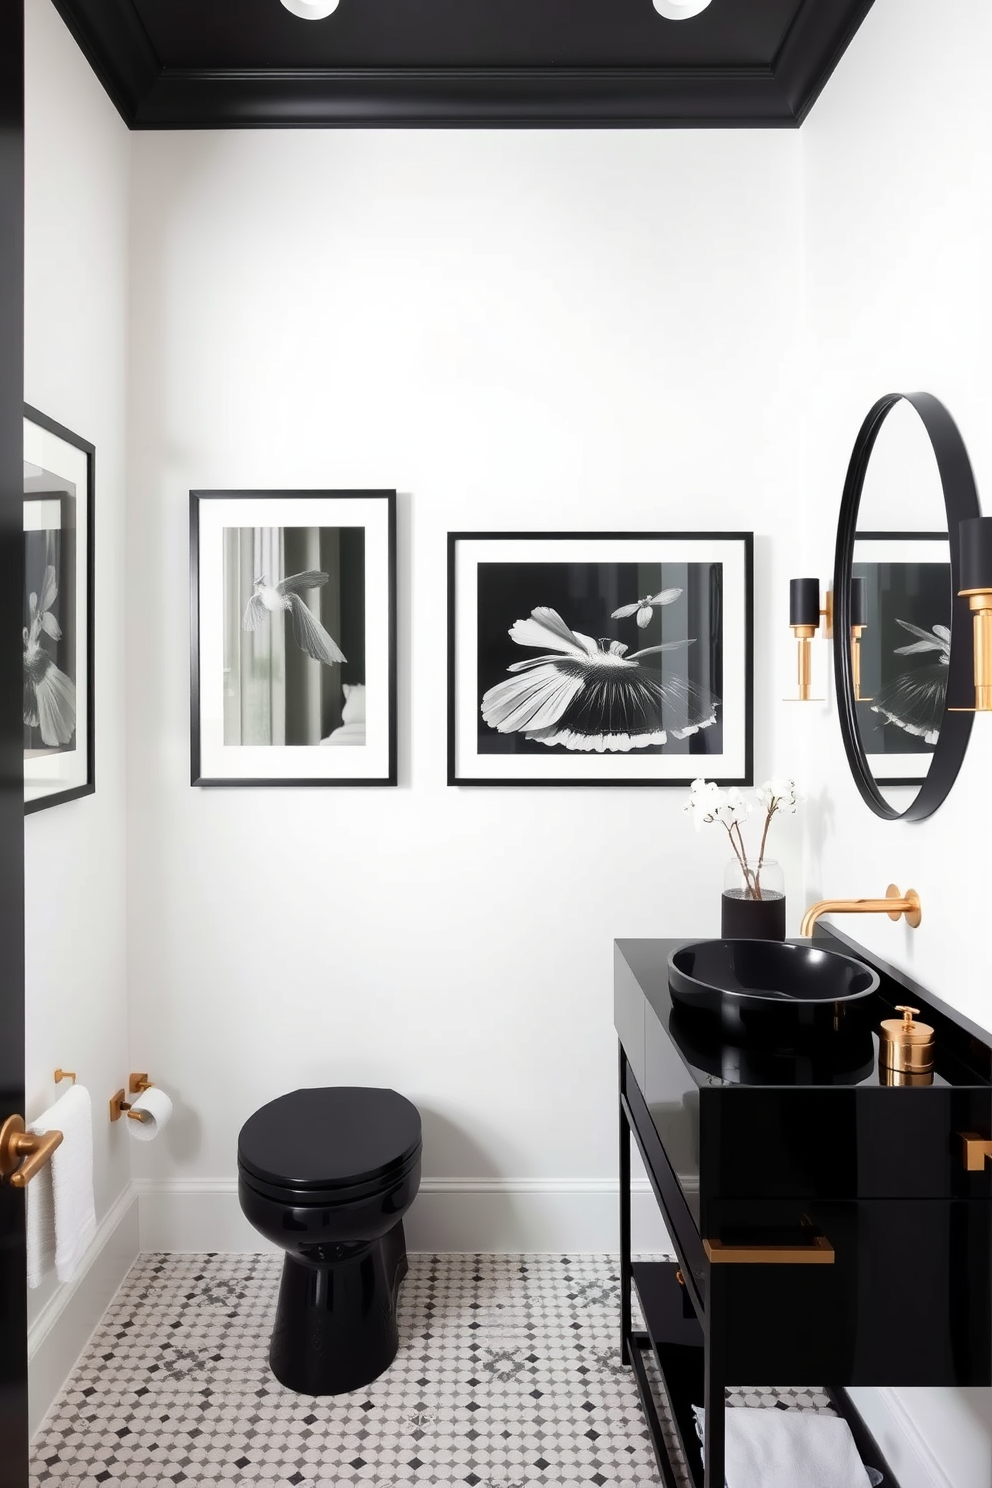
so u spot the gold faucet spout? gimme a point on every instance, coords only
(895, 905)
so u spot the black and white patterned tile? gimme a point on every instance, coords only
(507, 1376)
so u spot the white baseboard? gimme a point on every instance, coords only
(449, 1214)
(59, 1333)
(902, 1444)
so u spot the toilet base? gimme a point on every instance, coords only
(335, 1327)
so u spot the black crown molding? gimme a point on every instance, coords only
(817, 39)
(112, 38)
(150, 96)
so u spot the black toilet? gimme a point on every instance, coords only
(328, 1175)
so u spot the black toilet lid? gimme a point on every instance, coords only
(337, 1137)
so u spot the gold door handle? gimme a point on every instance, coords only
(817, 1251)
(22, 1153)
(975, 1151)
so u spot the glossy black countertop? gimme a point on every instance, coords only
(963, 1052)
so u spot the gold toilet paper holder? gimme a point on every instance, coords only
(119, 1104)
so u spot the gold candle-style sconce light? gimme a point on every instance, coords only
(804, 617)
(859, 624)
(975, 537)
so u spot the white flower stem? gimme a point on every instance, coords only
(772, 808)
(750, 883)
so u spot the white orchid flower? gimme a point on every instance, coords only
(778, 794)
(708, 803)
(733, 807)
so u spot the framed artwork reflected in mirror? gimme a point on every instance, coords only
(57, 621)
(905, 650)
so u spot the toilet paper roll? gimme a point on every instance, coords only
(156, 1113)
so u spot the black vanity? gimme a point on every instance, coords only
(826, 1228)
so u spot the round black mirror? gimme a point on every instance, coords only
(907, 665)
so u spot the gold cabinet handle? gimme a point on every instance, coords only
(22, 1153)
(975, 1151)
(816, 1252)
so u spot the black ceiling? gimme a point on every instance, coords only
(472, 63)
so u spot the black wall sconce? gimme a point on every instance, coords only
(805, 615)
(975, 538)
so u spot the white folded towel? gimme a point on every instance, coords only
(789, 1449)
(61, 1210)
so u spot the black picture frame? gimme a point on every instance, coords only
(960, 503)
(371, 599)
(76, 581)
(467, 764)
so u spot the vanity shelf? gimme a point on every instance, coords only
(677, 1343)
(849, 1188)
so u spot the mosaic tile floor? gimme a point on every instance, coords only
(507, 1376)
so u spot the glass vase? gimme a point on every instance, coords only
(753, 905)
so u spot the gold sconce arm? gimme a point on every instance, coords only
(804, 635)
(895, 905)
(980, 604)
(22, 1153)
(856, 633)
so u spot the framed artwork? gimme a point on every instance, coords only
(905, 648)
(599, 658)
(59, 755)
(293, 637)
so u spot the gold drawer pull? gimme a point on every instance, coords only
(23, 1154)
(975, 1150)
(816, 1252)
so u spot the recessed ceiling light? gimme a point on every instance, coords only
(311, 10)
(672, 10)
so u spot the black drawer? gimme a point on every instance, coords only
(869, 1143)
(895, 1292)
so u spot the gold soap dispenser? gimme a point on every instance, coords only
(905, 1052)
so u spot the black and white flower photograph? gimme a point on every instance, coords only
(294, 634)
(49, 651)
(598, 659)
(905, 648)
(56, 629)
(293, 668)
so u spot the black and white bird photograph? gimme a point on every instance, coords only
(600, 658)
(294, 635)
(905, 649)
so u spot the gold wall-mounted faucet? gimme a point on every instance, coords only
(895, 905)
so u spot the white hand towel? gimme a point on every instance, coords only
(789, 1449)
(61, 1210)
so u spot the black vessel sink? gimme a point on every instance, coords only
(757, 985)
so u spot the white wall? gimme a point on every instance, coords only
(897, 160)
(77, 184)
(518, 331)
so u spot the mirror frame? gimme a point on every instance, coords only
(960, 503)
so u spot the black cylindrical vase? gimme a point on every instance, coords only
(752, 919)
(753, 904)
